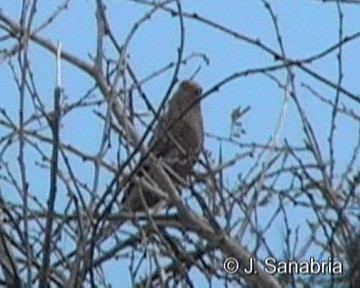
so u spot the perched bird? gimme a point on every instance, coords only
(178, 140)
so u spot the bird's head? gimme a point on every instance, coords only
(191, 87)
(189, 91)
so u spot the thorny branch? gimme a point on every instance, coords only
(214, 217)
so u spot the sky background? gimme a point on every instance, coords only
(307, 27)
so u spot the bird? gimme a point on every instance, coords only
(177, 140)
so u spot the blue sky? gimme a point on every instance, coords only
(307, 27)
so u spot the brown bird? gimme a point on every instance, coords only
(178, 140)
